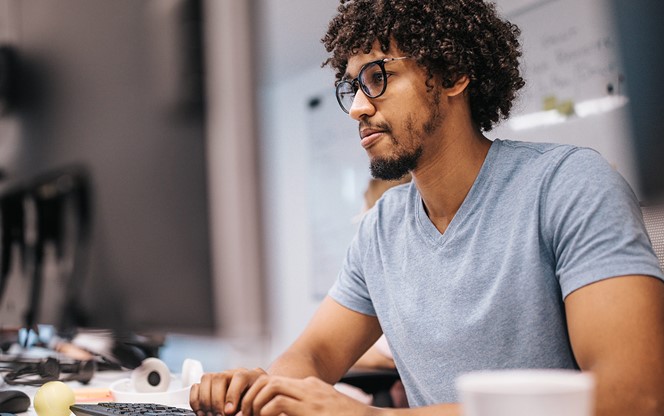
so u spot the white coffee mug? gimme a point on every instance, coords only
(543, 392)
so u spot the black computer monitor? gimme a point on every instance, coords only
(104, 129)
(640, 33)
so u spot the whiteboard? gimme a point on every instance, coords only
(338, 176)
(575, 88)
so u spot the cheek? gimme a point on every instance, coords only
(409, 124)
(411, 117)
(407, 135)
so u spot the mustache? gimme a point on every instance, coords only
(378, 126)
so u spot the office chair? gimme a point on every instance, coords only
(653, 216)
(376, 382)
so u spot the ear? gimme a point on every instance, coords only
(458, 87)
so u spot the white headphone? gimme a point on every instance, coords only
(153, 376)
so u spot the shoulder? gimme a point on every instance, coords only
(544, 153)
(571, 178)
(562, 164)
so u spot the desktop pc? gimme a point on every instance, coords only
(106, 211)
(127, 242)
(105, 188)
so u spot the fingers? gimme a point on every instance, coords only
(209, 395)
(221, 393)
(304, 397)
(278, 396)
(218, 396)
(241, 382)
(271, 394)
(262, 393)
(204, 391)
(254, 393)
(194, 401)
(283, 405)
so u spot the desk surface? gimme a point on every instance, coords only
(97, 390)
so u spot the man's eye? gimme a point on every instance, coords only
(375, 79)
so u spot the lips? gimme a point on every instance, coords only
(370, 136)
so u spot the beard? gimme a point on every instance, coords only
(406, 160)
(392, 169)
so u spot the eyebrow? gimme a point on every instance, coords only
(347, 77)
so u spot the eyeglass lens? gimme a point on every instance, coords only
(371, 79)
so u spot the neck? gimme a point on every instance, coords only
(445, 177)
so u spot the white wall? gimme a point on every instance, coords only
(284, 149)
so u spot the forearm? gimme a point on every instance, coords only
(298, 364)
(621, 392)
(327, 348)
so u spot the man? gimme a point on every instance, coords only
(497, 255)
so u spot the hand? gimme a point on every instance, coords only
(220, 393)
(278, 396)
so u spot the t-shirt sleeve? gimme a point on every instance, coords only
(350, 288)
(594, 223)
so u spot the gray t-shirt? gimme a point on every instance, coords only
(540, 221)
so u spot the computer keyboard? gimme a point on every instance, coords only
(128, 409)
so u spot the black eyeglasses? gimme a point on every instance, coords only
(372, 79)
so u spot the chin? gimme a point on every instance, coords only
(394, 168)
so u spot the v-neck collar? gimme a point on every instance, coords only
(477, 190)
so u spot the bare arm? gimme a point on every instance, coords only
(334, 339)
(616, 328)
(331, 343)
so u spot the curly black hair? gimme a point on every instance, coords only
(450, 38)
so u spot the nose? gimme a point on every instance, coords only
(361, 107)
